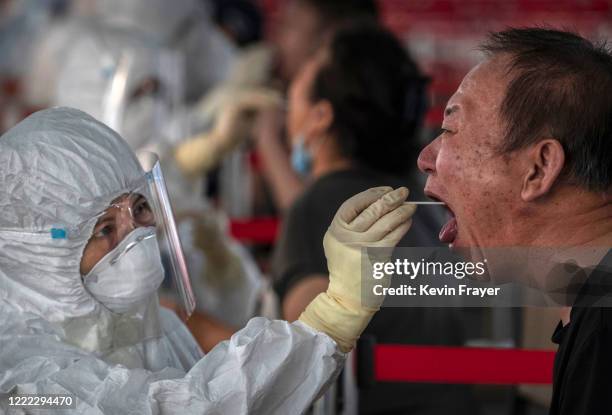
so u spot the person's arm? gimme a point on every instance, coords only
(302, 293)
(299, 266)
(207, 331)
(233, 125)
(285, 184)
(269, 367)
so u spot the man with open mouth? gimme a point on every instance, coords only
(524, 160)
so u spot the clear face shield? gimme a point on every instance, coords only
(168, 232)
(135, 247)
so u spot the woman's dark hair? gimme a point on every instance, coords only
(378, 95)
(334, 12)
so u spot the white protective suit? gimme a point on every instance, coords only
(60, 167)
(105, 65)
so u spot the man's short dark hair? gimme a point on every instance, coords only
(560, 87)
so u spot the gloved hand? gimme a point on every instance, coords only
(374, 218)
(233, 126)
(223, 267)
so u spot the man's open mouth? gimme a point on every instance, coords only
(448, 233)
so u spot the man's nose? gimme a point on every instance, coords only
(427, 158)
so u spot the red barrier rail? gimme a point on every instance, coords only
(262, 230)
(438, 364)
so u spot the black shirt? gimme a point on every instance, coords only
(300, 253)
(582, 380)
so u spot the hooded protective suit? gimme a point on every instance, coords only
(62, 168)
(90, 70)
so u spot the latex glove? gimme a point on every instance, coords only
(224, 268)
(233, 126)
(374, 218)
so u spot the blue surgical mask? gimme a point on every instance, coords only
(301, 158)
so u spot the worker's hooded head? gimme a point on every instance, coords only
(60, 169)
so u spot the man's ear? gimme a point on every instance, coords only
(545, 163)
(321, 119)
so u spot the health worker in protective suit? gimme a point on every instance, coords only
(81, 230)
(124, 79)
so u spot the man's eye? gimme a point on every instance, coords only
(444, 131)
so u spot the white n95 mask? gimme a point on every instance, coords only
(129, 273)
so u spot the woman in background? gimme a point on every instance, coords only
(353, 117)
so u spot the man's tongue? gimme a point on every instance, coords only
(448, 233)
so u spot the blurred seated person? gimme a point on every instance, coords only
(223, 119)
(354, 112)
